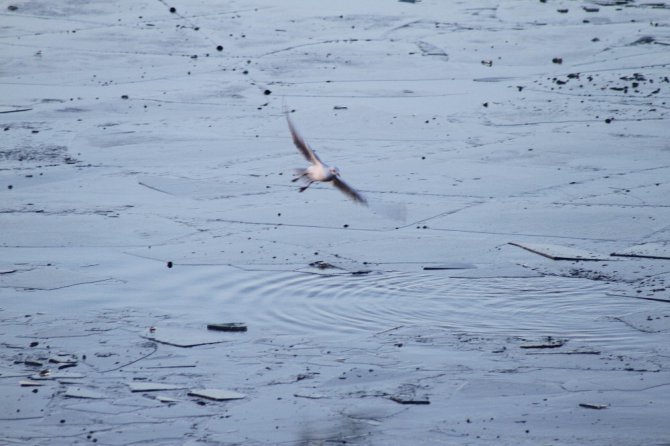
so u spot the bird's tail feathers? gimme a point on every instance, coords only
(299, 174)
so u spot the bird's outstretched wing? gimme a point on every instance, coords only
(300, 143)
(349, 191)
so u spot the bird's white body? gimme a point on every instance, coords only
(320, 172)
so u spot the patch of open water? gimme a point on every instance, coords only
(303, 304)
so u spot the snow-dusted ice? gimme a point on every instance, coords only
(145, 194)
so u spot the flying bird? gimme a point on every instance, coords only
(318, 171)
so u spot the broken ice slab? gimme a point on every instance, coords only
(56, 375)
(311, 396)
(593, 406)
(570, 352)
(547, 342)
(327, 269)
(550, 344)
(25, 383)
(228, 326)
(647, 321)
(409, 399)
(33, 363)
(428, 49)
(655, 299)
(447, 266)
(8, 373)
(48, 278)
(557, 252)
(653, 250)
(172, 366)
(18, 407)
(78, 392)
(64, 330)
(152, 387)
(500, 270)
(323, 265)
(183, 337)
(217, 394)
(68, 362)
(166, 399)
(407, 394)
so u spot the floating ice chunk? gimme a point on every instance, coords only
(228, 326)
(428, 49)
(78, 392)
(311, 396)
(56, 375)
(47, 278)
(452, 265)
(217, 394)
(557, 252)
(648, 321)
(654, 250)
(593, 406)
(140, 386)
(409, 399)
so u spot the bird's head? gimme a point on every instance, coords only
(335, 171)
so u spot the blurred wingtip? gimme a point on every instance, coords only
(392, 210)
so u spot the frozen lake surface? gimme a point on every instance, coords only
(505, 285)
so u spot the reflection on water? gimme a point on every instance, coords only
(340, 430)
(295, 303)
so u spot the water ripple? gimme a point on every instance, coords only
(294, 303)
